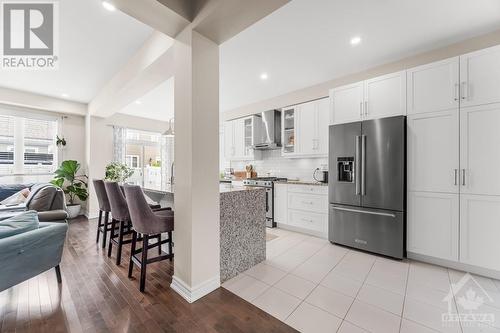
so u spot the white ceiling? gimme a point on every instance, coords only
(307, 41)
(94, 45)
(157, 104)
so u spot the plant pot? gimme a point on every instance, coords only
(73, 210)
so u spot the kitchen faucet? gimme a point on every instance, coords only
(172, 173)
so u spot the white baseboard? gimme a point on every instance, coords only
(455, 265)
(195, 293)
(303, 231)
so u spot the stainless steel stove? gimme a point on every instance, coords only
(268, 184)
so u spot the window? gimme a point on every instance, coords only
(132, 161)
(27, 146)
(7, 125)
(142, 153)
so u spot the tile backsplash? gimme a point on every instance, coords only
(273, 164)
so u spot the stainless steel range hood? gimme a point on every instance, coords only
(267, 133)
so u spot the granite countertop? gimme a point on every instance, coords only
(169, 189)
(301, 182)
(225, 188)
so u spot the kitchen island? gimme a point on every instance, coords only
(242, 225)
(242, 229)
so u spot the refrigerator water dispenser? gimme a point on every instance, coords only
(345, 167)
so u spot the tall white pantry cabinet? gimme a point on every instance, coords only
(454, 159)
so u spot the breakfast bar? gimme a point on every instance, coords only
(242, 226)
(242, 229)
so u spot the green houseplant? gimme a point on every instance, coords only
(73, 185)
(118, 172)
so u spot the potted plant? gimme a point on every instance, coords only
(118, 172)
(60, 142)
(75, 186)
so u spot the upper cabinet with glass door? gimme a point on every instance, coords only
(305, 129)
(288, 141)
(238, 139)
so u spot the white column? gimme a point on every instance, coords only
(196, 236)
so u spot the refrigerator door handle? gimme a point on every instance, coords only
(363, 164)
(363, 211)
(357, 165)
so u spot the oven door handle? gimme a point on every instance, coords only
(267, 201)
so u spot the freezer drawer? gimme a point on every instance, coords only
(377, 231)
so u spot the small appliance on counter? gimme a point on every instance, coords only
(320, 175)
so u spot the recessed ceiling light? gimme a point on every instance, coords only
(264, 76)
(355, 40)
(64, 95)
(109, 6)
(138, 102)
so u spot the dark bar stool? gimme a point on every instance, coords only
(121, 217)
(148, 223)
(104, 208)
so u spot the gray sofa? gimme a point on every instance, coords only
(45, 198)
(48, 200)
(27, 254)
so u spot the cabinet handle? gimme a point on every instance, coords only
(457, 88)
(456, 178)
(366, 108)
(306, 220)
(307, 202)
(463, 177)
(464, 90)
(361, 109)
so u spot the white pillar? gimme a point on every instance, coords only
(196, 236)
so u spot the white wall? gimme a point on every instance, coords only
(100, 146)
(272, 164)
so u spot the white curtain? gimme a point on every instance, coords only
(119, 144)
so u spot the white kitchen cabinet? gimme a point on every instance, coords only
(302, 208)
(379, 97)
(433, 87)
(385, 96)
(305, 129)
(238, 140)
(289, 131)
(324, 106)
(347, 103)
(229, 149)
(316, 224)
(433, 224)
(308, 128)
(280, 203)
(433, 151)
(307, 202)
(480, 149)
(479, 230)
(453, 179)
(480, 77)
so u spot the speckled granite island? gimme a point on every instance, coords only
(242, 229)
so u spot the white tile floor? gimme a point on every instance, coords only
(315, 286)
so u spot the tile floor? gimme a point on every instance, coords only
(315, 286)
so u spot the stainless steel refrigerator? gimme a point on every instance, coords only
(367, 185)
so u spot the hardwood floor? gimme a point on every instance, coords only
(97, 296)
